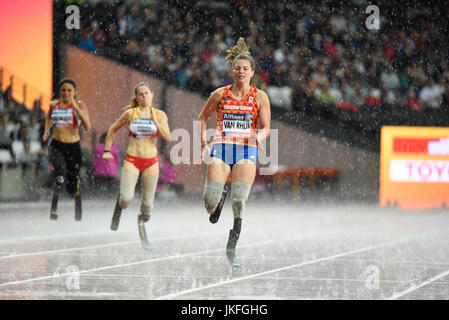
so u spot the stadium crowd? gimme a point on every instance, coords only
(305, 53)
(21, 132)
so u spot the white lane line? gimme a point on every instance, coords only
(98, 246)
(58, 236)
(385, 244)
(176, 256)
(416, 287)
(37, 253)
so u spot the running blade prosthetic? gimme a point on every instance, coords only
(213, 218)
(230, 249)
(116, 216)
(142, 232)
(78, 209)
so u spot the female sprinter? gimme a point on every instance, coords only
(146, 124)
(65, 115)
(240, 108)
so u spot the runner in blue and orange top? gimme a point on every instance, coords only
(145, 125)
(65, 115)
(243, 122)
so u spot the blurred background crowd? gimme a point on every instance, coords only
(320, 52)
(307, 56)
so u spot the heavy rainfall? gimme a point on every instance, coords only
(140, 162)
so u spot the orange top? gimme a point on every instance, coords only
(237, 120)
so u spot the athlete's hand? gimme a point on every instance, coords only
(75, 103)
(205, 152)
(107, 156)
(153, 116)
(259, 141)
(46, 135)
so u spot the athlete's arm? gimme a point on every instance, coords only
(81, 109)
(206, 113)
(116, 126)
(161, 122)
(48, 120)
(264, 117)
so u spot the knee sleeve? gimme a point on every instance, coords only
(239, 194)
(212, 194)
(149, 185)
(128, 182)
(59, 182)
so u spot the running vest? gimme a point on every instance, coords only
(237, 119)
(142, 127)
(65, 117)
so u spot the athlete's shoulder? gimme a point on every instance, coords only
(261, 94)
(160, 113)
(216, 95)
(218, 92)
(128, 113)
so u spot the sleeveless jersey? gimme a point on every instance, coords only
(142, 127)
(237, 120)
(65, 117)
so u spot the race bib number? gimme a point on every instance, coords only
(143, 127)
(62, 117)
(235, 124)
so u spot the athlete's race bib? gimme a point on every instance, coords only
(62, 117)
(237, 125)
(143, 128)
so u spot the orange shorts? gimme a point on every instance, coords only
(141, 163)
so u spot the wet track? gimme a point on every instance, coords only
(288, 251)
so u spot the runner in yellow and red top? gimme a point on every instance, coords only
(243, 122)
(145, 124)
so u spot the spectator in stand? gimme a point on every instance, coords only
(413, 101)
(374, 98)
(319, 78)
(133, 22)
(302, 96)
(195, 81)
(97, 35)
(431, 95)
(21, 133)
(416, 75)
(323, 95)
(113, 42)
(389, 79)
(2, 102)
(27, 158)
(86, 43)
(5, 134)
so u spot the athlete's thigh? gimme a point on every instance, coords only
(128, 166)
(217, 170)
(244, 170)
(152, 170)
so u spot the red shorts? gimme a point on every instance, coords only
(141, 163)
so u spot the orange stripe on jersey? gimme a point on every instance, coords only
(237, 120)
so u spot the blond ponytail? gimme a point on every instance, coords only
(238, 52)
